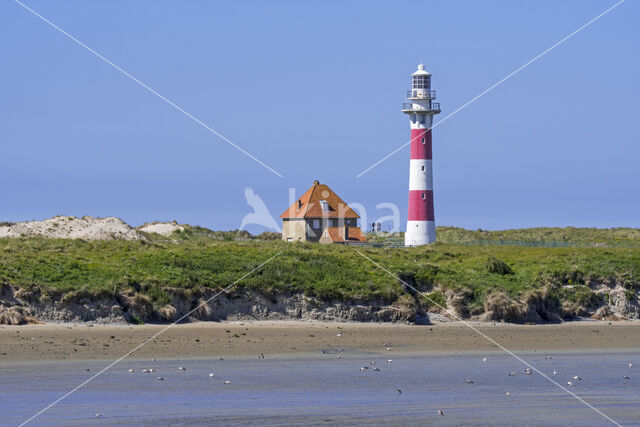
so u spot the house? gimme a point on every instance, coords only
(319, 215)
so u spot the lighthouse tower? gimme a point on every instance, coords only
(421, 228)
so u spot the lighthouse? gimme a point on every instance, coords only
(421, 227)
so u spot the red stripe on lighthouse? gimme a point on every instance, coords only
(420, 150)
(421, 205)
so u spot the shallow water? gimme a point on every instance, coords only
(328, 390)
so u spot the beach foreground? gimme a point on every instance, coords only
(52, 342)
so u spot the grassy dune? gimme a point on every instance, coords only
(197, 259)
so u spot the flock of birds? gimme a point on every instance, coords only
(372, 367)
(181, 369)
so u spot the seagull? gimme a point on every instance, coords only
(339, 334)
(389, 360)
(182, 368)
(131, 371)
(548, 357)
(388, 348)
(507, 394)
(160, 379)
(469, 381)
(152, 370)
(338, 356)
(626, 378)
(227, 382)
(513, 374)
(569, 383)
(399, 391)
(372, 363)
(97, 415)
(441, 412)
(554, 372)
(153, 360)
(144, 371)
(211, 375)
(376, 369)
(630, 364)
(484, 359)
(577, 378)
(527, 371)
(364, 368)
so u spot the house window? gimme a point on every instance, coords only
(423, 196)
(289, 239)
(315, 223)
(423, 168)
(423, 141)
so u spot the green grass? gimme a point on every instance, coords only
(193, 262)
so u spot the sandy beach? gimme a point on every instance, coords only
(51, 342)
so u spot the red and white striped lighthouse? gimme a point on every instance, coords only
(421, 228)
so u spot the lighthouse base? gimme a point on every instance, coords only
(420, 233)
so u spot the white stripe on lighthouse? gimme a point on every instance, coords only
(420, 174)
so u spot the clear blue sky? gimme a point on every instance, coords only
(314, 89)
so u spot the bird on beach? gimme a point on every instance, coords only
(220, 358)
(554, 372)
(227, 382)
(527, 371)
(399, 391)
(569, 383)
(469, 381)
(630, 364)
(389, 360)
(182, 368)
(211, 375)
(153, 360)
(372, 363)
(441, 412)
(131, 371)
(577, 378)
(145, 371)
(508, 394)
(484, 359)
(160, 379)
(87, 370)
(339, 334)
(152, 370)
(364, 368)
(376, 369)
(97, 415)
(548, 357)
(513, 374)
(626, 378)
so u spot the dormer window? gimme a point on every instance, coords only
(299, 203)
(324, 205)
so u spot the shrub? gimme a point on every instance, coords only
(497, 266)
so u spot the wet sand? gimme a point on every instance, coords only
(52, 342)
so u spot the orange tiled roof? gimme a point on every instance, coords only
(310, 205)
(337, 234)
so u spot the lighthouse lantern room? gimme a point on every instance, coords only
(421, 228)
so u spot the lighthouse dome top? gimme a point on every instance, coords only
(421, 71)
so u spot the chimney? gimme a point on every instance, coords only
(316, 182)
